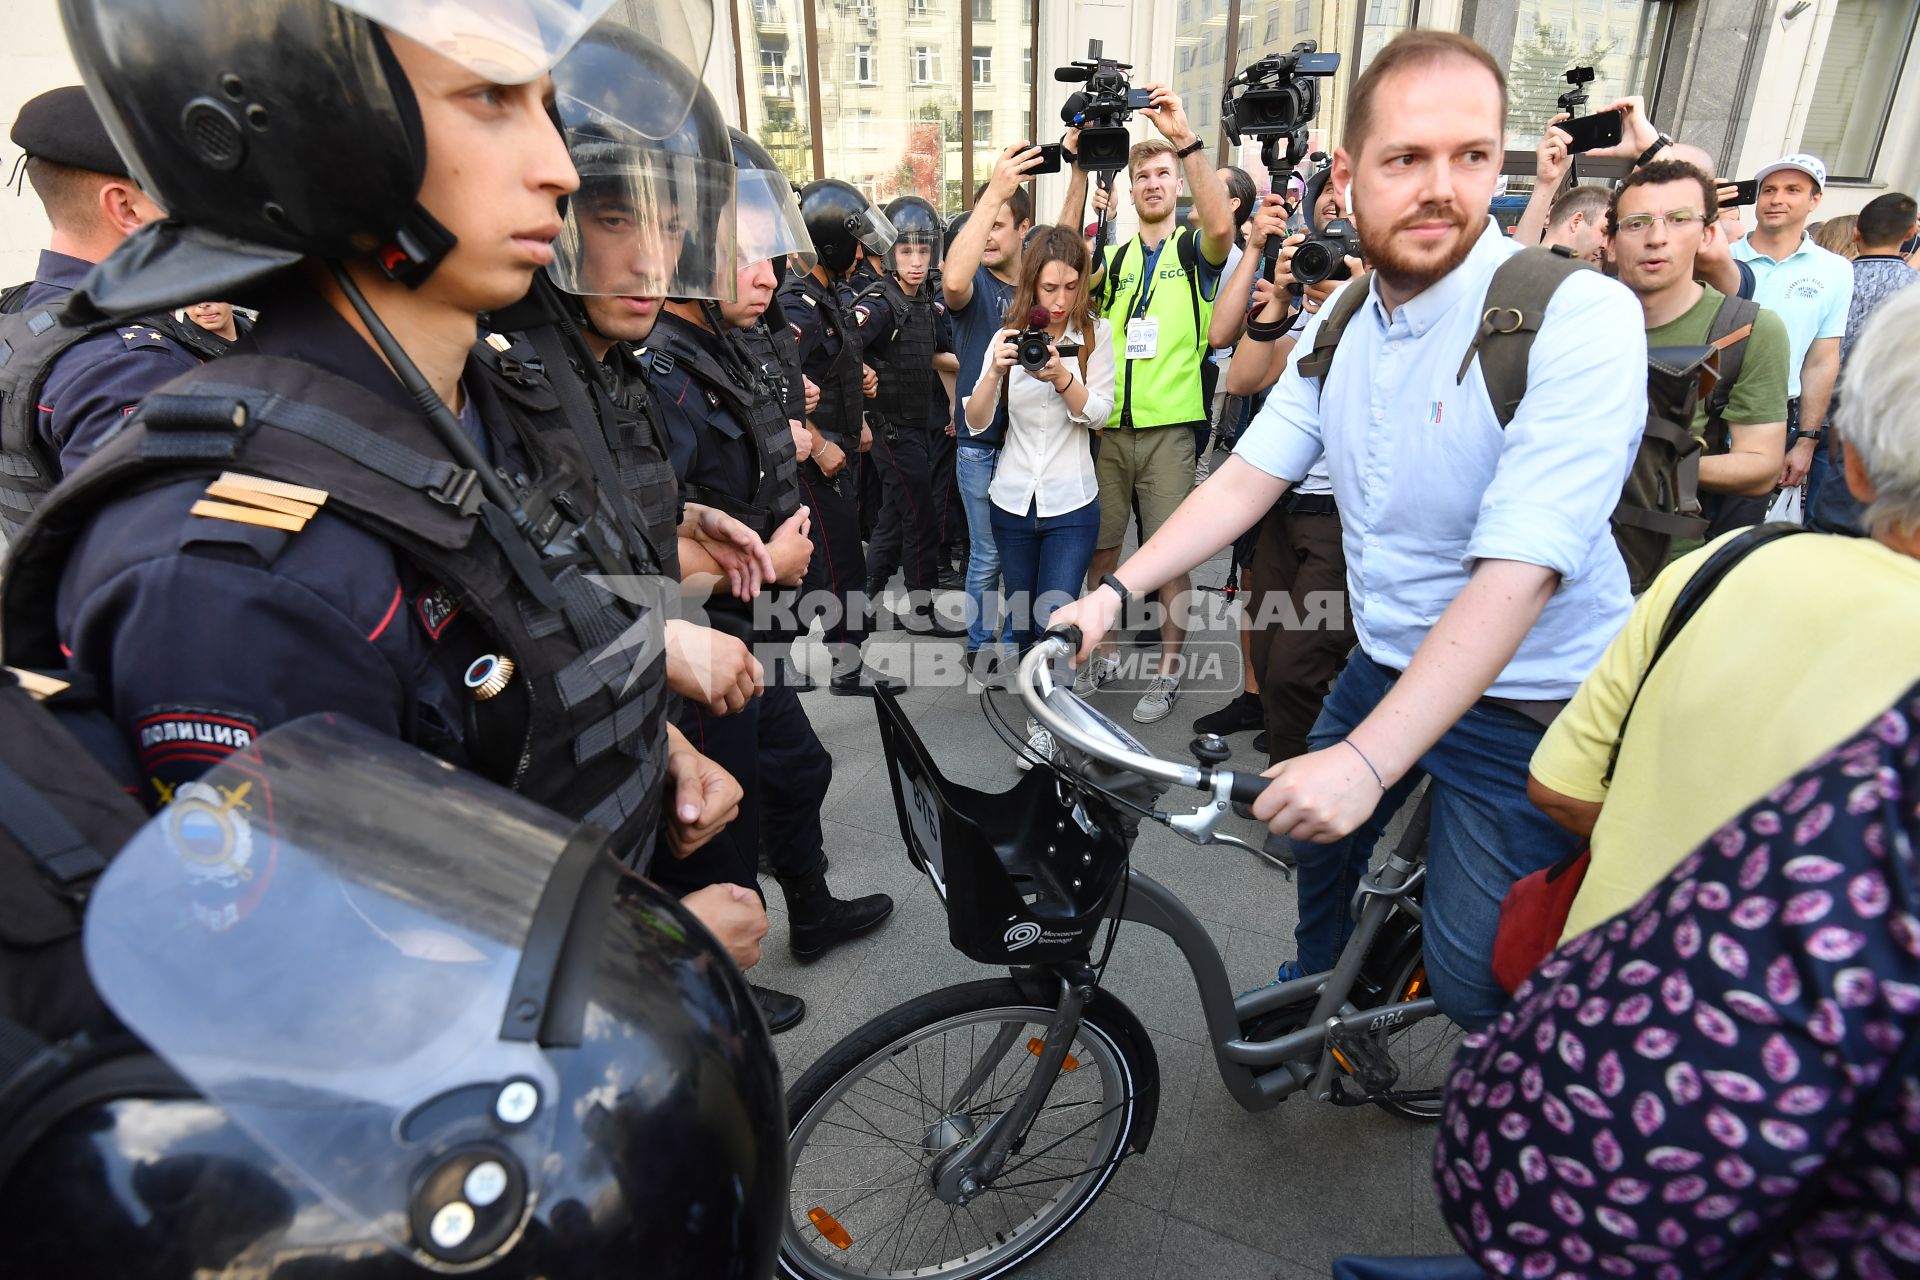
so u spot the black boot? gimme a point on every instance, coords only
(817, 921)
(781, 1010)
(860, 682)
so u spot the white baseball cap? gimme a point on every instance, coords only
(1810, 165)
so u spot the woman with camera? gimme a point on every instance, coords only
(1051, 375)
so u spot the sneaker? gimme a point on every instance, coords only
(1243, 713)
(1157, 702)
(1095, 673)
(1040, 746)
(1287, 972)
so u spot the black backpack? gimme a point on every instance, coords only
(1661, 498)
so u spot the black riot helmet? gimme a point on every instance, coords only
(839, 217)
(402, 1022)
(288, 125)
(654, 213)
(915, 222)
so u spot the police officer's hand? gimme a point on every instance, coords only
(869, 381)
(866, 436)
(703, 797)
(710, 667)
(792, 548)
(812, 392)
(734, 915)
(831, 459)
(1321, 796)
(734, 547)
(802, 440)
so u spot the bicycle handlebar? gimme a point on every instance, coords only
(1081, 728)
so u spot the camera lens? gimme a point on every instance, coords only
(1033, 351)
(1312, 262)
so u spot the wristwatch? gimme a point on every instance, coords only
(1190, 148)
(1660, 143)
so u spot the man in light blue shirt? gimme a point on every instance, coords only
(1809, 288)
(1480, 562)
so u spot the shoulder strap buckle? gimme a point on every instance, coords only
(1493, 324)
(460, 490)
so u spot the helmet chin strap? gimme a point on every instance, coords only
(418, 246)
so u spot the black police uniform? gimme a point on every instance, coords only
(280, 536)
(901, 333)
(829, 348)
(722, 432)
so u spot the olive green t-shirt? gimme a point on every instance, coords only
(1761, 393)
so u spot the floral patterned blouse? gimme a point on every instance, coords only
(1695, 1087)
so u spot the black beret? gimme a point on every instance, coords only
(61, 127)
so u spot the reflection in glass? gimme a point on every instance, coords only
(1852, 98)
(1620, 39)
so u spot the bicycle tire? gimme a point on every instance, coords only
(1424, 1049)
(807, 1253)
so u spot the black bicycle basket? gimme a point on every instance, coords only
(1023, 881)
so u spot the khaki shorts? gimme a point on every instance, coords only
(1155, 465)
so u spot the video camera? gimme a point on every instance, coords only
(1102, 110)
(1279, 95)
(1575, 98)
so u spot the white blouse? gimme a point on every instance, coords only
(1046, 461)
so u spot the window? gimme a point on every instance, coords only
(983, 10)
(1624, 47)
(926, 64)
(1026, 68)
(860, 129)
(983, 64)
(1302, 16)
(1273, 26)
(1853, 97)
(863, 63)
(1246, 34)
(1186, 13)
(983, 128)
(917, 8)
(767, 13)
(773, 70)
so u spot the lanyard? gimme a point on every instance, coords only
(1143, 294)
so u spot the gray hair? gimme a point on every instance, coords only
(1877, 413)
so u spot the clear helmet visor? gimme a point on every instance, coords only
(647, 223)
(874, 230)
(768, 222)
(324, 934)
(515, 41)
(914, 254)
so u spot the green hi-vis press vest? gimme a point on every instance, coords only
(1165, 390)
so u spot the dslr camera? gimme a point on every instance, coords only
(1102, 109)
(1323, 254)
(1278, 95)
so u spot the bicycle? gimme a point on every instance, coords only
(959, 1134)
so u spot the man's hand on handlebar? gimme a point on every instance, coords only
(1321, 796)
(1094, 614)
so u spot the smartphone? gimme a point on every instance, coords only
(1049, 159)
(1743, 193)
(1138, 98)
(1590, 133)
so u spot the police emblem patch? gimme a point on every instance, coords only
(435, 609)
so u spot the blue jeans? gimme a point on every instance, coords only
(1485, 836)
(974, 467)
(1831, 506)
(1043, 561)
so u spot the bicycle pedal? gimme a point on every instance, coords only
(1364, 1058)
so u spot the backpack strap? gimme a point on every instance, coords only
(1108, 283)
(1727, 334)
(1186, 243)
(1333, 322)
(1688, 602)
(1515, 307)
(11, 298)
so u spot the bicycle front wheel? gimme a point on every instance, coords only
(879, 1117)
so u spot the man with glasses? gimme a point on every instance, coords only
(1662, 217)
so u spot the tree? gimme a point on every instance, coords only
(786, 137)
(1537, 78)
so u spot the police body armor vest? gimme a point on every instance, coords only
(640, 457)
(572, 730)
(30, 342)
(774, 359)
(906, 384)
(744, 396)
(842, 398)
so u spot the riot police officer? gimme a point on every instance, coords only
(727, 433)
(840, 224)
(907, 340)
(64, 388)
(352, 518)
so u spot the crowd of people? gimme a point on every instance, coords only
(708, 412)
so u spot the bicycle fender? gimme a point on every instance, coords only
(1042, 986)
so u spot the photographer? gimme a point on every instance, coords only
(1046, 503)
(1481, 570)
(1162, 303)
